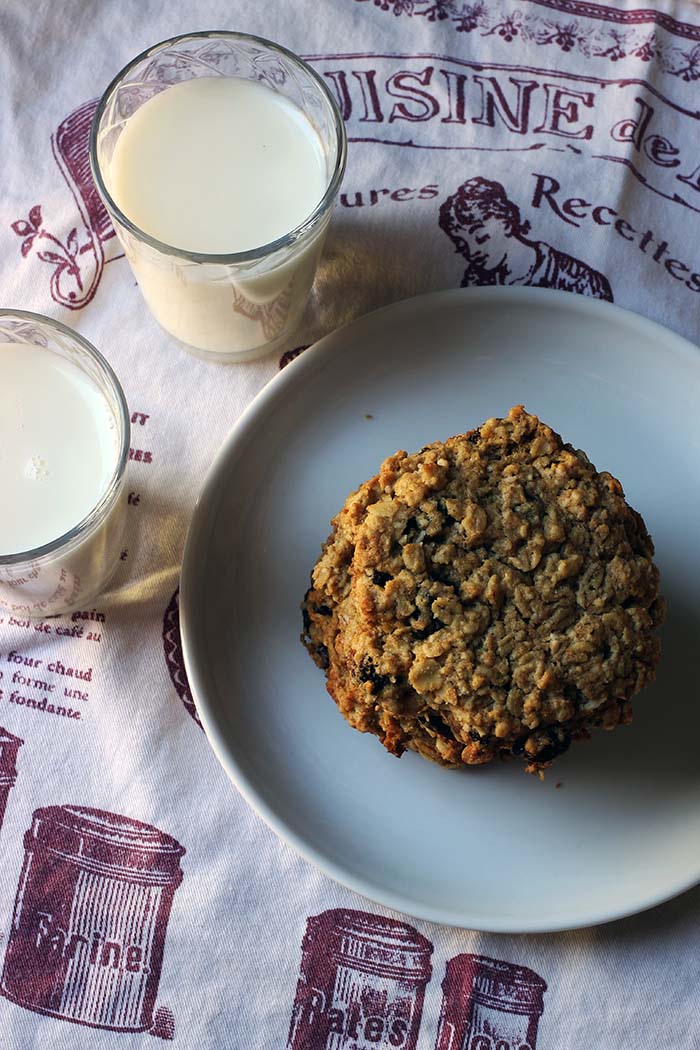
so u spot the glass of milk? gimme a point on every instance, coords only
(64, 446)
(219, 157)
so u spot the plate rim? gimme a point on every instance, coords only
(367, 888)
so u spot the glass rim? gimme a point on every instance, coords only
(251, 254)
(122, 419)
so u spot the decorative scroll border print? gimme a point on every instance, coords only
(610, 42)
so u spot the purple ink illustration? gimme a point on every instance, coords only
(175, 661)
(619, 35)
(91, 917)
(486, 228)
(361, 983)
(489, 1004)
(78, 260)
(290, 355)
(9, 746)
(163, 1024)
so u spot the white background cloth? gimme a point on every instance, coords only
(233, 946)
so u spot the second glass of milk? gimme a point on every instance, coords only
(64, 448)
(219, 157)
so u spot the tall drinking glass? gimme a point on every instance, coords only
(225, 307)
(71, 568)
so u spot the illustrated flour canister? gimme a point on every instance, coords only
(489, 1005)
(90, 917)
(361, 983)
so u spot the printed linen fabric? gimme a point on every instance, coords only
(538, 142)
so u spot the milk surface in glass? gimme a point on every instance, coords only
(219, 165)
(59, 452)
(58, 446)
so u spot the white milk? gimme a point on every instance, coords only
(218, 165)
(58, 448)
(58, 453)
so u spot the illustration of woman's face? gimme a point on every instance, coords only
(485, 238)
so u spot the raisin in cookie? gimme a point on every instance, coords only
(492, 594)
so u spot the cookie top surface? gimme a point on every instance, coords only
(492, 593)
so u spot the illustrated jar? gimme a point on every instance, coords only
(361, 983)
(90, 917)
(489, 1005)
(9, 746)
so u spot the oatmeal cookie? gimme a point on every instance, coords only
(490, 595)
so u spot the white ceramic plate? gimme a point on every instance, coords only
(489, 848)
